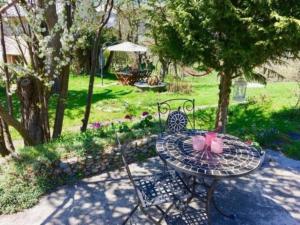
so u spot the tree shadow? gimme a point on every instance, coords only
(108, 76)
(77, 101)
(207, 86)
(262, 198)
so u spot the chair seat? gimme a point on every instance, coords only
(161, 188)
(189, 217)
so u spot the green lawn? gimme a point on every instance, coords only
(268, 120)
(114, 101)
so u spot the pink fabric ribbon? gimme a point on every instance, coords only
(198, 142)
(209, 143)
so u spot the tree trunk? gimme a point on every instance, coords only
(4, 129)
(6, 72)
(119, 30)
(164, 70)
(17, 125)
(34, 108)
(51, 19)
(95, 53)
(62, 102)
(175, 70)
(3, 149)
(224, 98)
(56, 88)
(64, 82)
(7, 137)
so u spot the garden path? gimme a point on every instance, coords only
(271, 196)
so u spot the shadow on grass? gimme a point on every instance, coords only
(108, 76)
(206, 86)
(77, 101)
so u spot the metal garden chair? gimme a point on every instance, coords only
(179, 114)
(175, 115)
(161, 188)
(179, 118)
(155, 190)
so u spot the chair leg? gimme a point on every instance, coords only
(131, 214)
(164, 212)
(165, 168)
(150, 217)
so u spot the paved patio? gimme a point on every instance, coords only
(271, 196)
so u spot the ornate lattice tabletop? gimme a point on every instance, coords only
(237, 158)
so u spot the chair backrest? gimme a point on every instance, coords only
(179, 114)
(123, 156)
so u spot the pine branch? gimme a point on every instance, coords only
(255, 76)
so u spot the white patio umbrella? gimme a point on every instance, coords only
(127, 47)
(122, 47)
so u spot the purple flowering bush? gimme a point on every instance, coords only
(96, 125)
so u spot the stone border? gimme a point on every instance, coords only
(108, 159)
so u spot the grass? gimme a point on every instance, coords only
(113, 101)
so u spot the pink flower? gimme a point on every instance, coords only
(249, 142)
(145, 114)
(96, 125)
(128, 117)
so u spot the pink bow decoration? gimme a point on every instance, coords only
(209, 137)
(217, 146)
(198, 142)
(210, 142)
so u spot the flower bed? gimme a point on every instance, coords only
(42, 168)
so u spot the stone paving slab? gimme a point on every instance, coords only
(270, 196)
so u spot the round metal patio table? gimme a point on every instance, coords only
(237, 159)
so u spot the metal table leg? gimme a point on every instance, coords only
(210, 193)
(228, 215)
(211, 201)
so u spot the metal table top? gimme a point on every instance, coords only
(237, 159)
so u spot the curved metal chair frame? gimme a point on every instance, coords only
(153, 191)
(186, 108)
(165, 187)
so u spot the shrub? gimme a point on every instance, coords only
(180, 86)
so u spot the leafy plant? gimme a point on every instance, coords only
(130, 108)
(145, 122)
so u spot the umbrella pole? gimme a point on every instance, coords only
(101, 63)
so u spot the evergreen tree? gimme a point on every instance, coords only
(234, 37)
